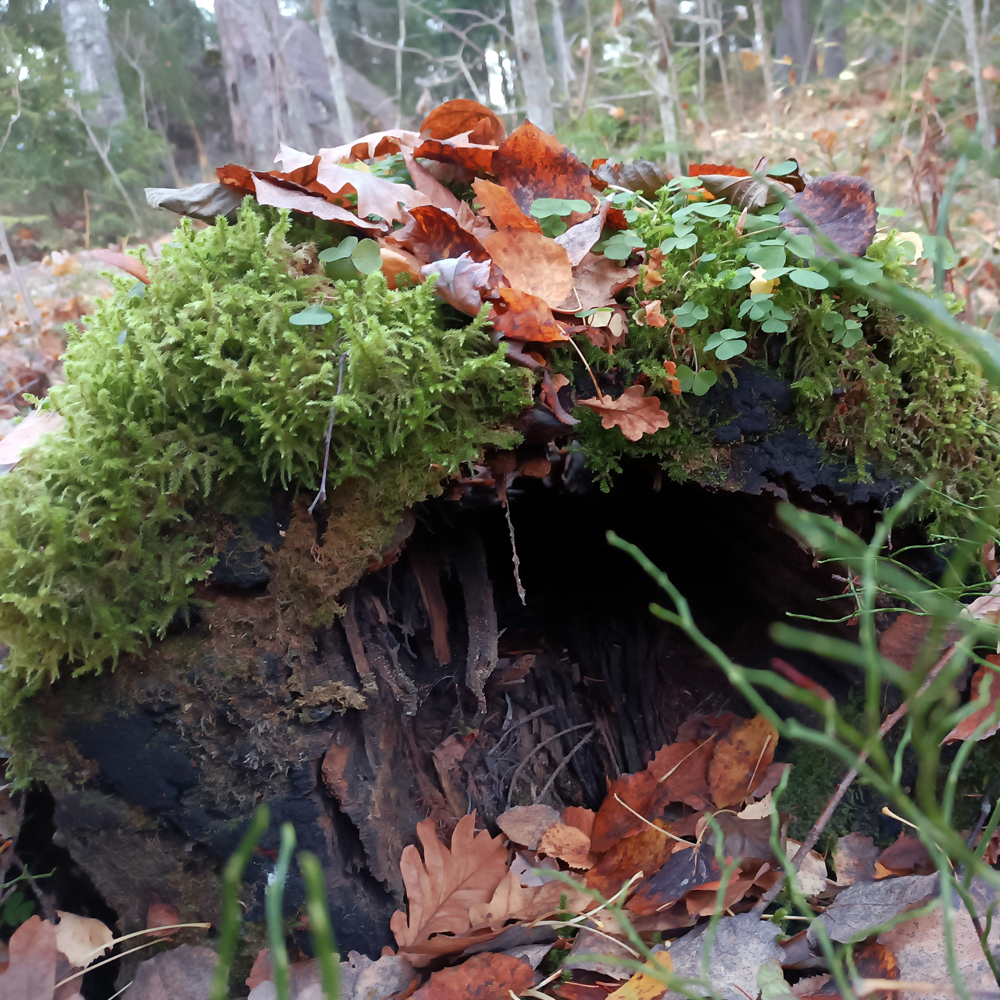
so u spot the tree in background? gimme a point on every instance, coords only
(90, 55)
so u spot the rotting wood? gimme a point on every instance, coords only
(469, 559)
(361, 664)
(428, 573)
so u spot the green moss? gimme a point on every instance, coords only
(195, 390)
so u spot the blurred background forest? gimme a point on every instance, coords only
(104, 97)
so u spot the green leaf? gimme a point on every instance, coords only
(863, 272)
(802, 246)
(712, 209)
(730, 349)
(808, 279)
(366, 257)
(312, 316)
(682, 228)
(683, 182)
(766, 256)
(543, 208)
(685, 376)
(703, 381)
(340, 252)
(783, 169)
(776, 272)
(741, 278)
(896, 212)
(774, 326)
(771, 981)
(754, 223)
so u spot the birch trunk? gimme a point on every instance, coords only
(90, 55)
(765, 60)
(534, 73)
(665, 85)
(336, 68)
(968, 11)
(564, 64)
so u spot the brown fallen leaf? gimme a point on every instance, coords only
(31, 972)
(854, 859)
(867, 904)
(907, 856)
(295, 200)
(568, 844)
(596, 282)
(686, 869)
(463, 282)
(486, 976)
(966, 729)
(646, 985)
(582, 819)
(455, 117)
(532, 164)
(400, 266)
(825, 139)
(522, 316)
(82, 939)
(646, 852)
(426, 183)
(526, 825)
(499, 205)
(842, 206)
(741, 757)
(474, 156)
(509, 897)
(432, 234)
(125, 261)
(376, 195)
(633, 413)
(368, 147)
(161, 915)
(27, 433)
(183, 973)
(443, 885)
(640, 175)
(904, 639)
(532, 263)
(579, 239)
(603, 948)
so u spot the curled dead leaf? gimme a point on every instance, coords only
(641, 176)
(966, 729)
(432, 234)
(633, 413)
(82, 939)
(532, 263)
(455, 117)
(125, 261)
(522, 316)
(842, 206)
(463, 282)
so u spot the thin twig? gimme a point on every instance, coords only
(559, 767)
(321, 496)
(541, 746)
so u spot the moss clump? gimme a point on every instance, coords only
(196, 390)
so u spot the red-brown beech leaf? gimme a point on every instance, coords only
(633, 412)
(472, 156)
(708, 169)
(842, 206)
(487, 976)
(394, 140)
(637, 175)
(425, 182)
(686, 869)
(533, 263)
(522, 316)
(596, 282)
(32, 969)
(532, 164)
(741, 758)
(646, 852)
(455, 117)
(499, 205)
(432, 234)
(376, 195)
(133, 265)
(967, 727)
(907, 856)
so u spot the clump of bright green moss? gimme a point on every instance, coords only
(195, 390)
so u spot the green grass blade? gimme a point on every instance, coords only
(273, 898)
(324, 946)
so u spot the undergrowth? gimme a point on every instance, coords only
(194, 390)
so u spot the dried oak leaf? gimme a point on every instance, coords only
(741, 757)
(967, 727)
(532, 164)
(486, 976)
(854, 859)
(842, 206)
(31, 972)
(399, 265)
(443, 886)
(455, 117)
(125, 261)
(641, 176)
(522, 316)
(526, 825)
(686, 869)
(568, 844)
(645, 852)
(376, 195)
(498, 203)
(532, 263)
(633, 413)
(432, 234)
(296, 200)
(463, 282)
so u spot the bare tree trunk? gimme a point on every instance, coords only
(563, 62)
(335, 67)
(797, 29)
(90, 55)
(665, 85)
(534, 73)
(765, 59)
(400, 42)
(968, 11)
(268, 104)
(702, 60)
(721, 46)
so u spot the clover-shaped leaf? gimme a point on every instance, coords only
(726, 343)
(808, 279)
(696, 382)
(311, 316)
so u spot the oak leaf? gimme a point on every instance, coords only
(532, 164)
(443, 886)
(633, 413)
(741, 758)
(526, 825)
(455, 117)
(532, 263)
(499, 205)
(967, 727)
(582, 819)
(737, 186)
(399, 265)
(842, 206)
(440, 196)
(486, 976)
(596, 282)
(522, 316)
(508, 898)
(432, 234)
(376, 195)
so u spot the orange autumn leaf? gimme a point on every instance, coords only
(646, 852)
(432, 234)
(470, 155)
(455, 117)
(398, 264)
(568, 844)
(700, 169)
(293, 198)
(522, 316)
(825, 139)
(651, 279)
(532, 164)
(442, 886)
(652, 314)
(133, 265)
(532, 263)
(741, 758)
(582, 819)
(368, 147)
(499, 205)
(967, 727)
(487, 976)
(633, 413)
(376, 195)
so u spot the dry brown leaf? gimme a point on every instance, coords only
(526, 825)
(750, 60)
(27, 433)
(125, 261)
(31, 973)
(463, 282)
(867, 904)
(295, 200)
(400, 265)
(432, 234)
(393, 140)
(161, 915)
(646, 985)
(376, 195)
(532, 164)
(842, 206)
(474, 156)
(455, 117)
(646, 852)
(532, 263)
(825, 139)
(966, 729)
(741, 758)
(510, 897)
(811, 870)
(445, 884)
(499, 205)
(907, 856)
(687, 868)
(486, 976)
(854, 859)
(579, 239)
(904, 639)
(522, 316)
(745, 192)
(568, 844)
(582, 819)
(596, 282)
(633, 413)
(639, 175)
(552, 897)
(82, 939)
(426, 183)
